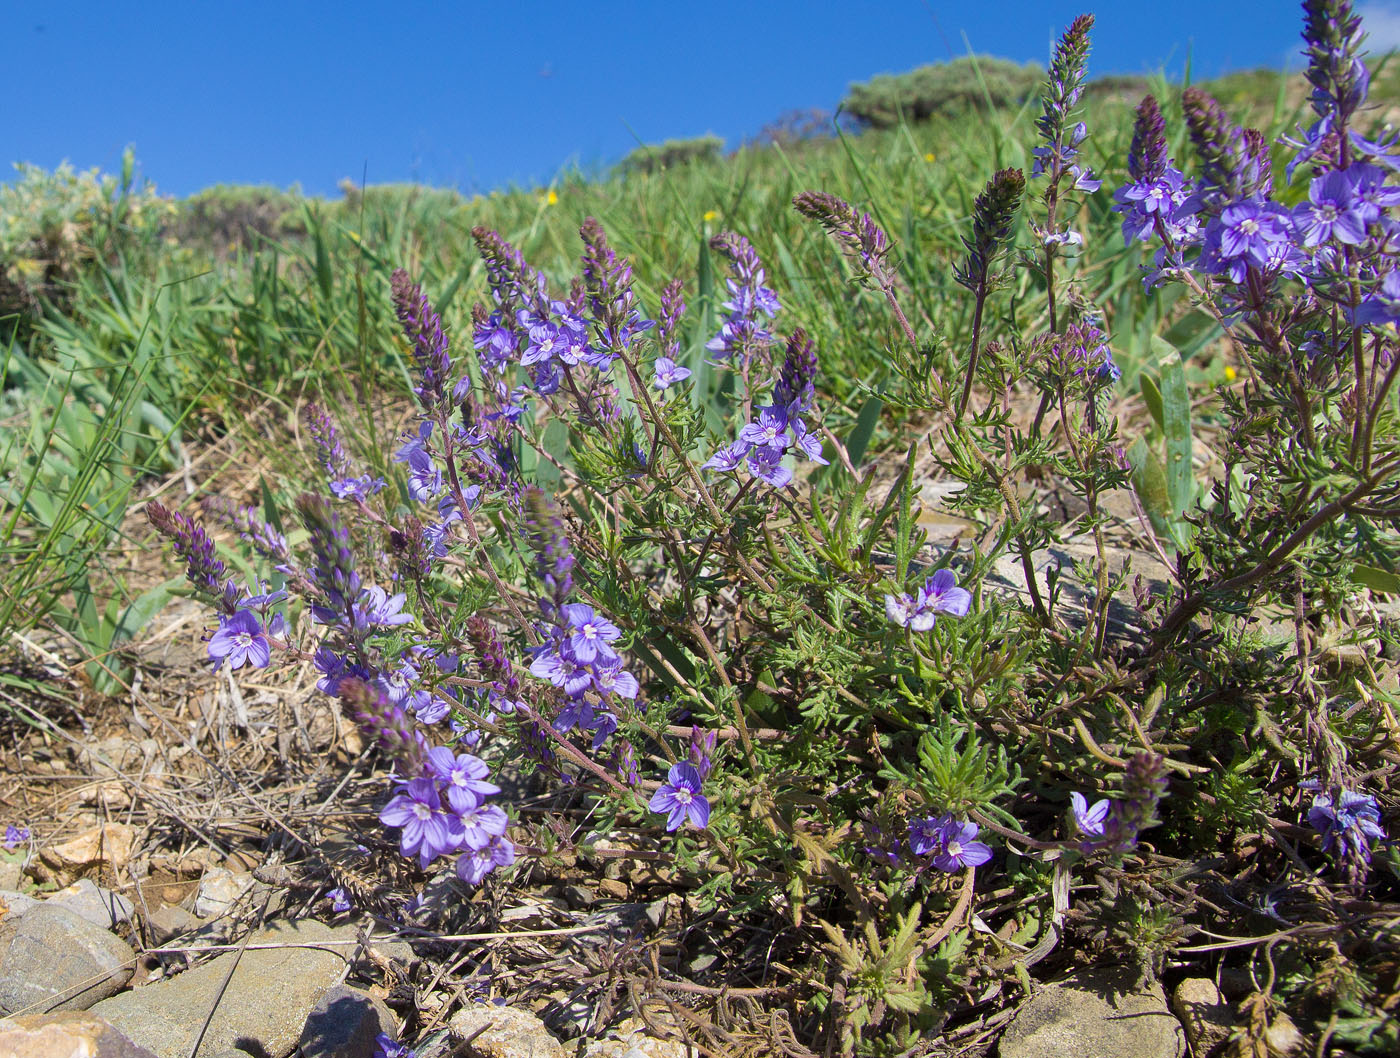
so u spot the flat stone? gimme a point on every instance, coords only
(51, 959)
(1205, 1015)
(345, 1024)
(69, 1034)
(1095, 1014)
(631, 1039)
(503, 1032)
(108, 845)
(170, 922)
(219, 890)
(101, 907)
(11, 874)
(263, 1009)
(13, 904)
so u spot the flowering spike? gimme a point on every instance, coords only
(202, 568)
(860, 238)
(1147, 158)
(993, 215)
(423, 327)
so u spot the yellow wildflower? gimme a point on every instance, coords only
(1230, 374)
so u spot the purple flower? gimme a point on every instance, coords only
(589, 633)
(680, 798)
(480, 822)
(940, 594)
(1383, 305)
(668, 372)
(1089, 818)
(948, 841)
(385, 1046)
(240, 638)
(1348, 824)
(959, 850)
(428, 831)
(1332, 212)
(461, 772)
(766, 464)
(340, 901)
(474, 864)
(926, 835)
(609, 678)
(15, 835)
(771, 429)
(727, 458)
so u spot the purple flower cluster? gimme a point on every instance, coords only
(343, 482)
(1229, 226)
(919, 612)
(240, 637)
(780, 427)
(577, 654)
(948, 842)
(15, 836)
(741, 336)
(1349, 823)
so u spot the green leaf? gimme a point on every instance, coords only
(1176, 422)
(1152, 396)
(859, 438)
(1376, 579)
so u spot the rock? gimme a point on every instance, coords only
(70, 1034)
(101, 907)
(1204, 1013)
(13, 904)
(1095, 1014)
(219, 890)
(51, 959)
(263, 1009)
(345, 1024)
(11, 874)
(503, 1032)
(631, 1039)
(169, 923)
(107, 845)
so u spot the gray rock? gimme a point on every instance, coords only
(1096, 1014)
(51, 959)
(345, 1024)
(219, 890)
(170, 922)
(263, 1009)
(631, 1039)
(101, 907)
(11, 874)
(503, 1032)
(1204, 1014)
(64, 1035)
(16, 903)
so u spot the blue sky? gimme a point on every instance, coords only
(476, 96)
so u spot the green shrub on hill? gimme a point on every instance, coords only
(941, 89)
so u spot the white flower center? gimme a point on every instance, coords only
(422, 811)
(683, 796)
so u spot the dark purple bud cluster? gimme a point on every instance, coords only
(423, 328)
(861, 240)
(193, 545)
(993, 215)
